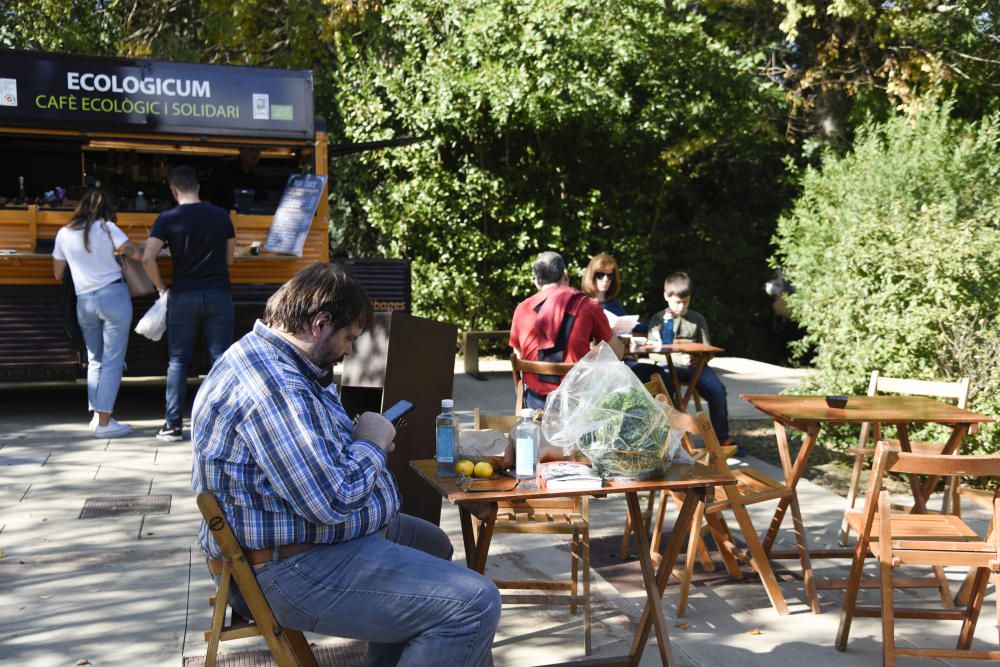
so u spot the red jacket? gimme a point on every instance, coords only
(539, 319)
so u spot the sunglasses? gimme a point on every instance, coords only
(600, 275)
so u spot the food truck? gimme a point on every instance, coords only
(71, 122)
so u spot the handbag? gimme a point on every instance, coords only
(70, 323)
(135, 277)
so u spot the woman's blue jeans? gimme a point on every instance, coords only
(401, 593)
(209, 310)
(105, 317)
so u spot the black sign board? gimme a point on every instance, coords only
(91, 93)
(293, 218)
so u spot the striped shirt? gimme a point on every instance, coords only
(276, 448)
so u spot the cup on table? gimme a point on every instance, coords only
(637, 343)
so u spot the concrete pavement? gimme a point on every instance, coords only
(133, 590)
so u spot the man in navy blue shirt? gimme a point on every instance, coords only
(202, 242)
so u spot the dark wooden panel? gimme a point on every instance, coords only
(412, 358)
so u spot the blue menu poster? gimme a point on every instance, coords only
(293, 218)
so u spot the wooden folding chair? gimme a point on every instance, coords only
(289, 647)
(656, 387)
(939, 540)
(983, 498)
(752, 487)
(555, 516)
(959, 391)
(520, 366)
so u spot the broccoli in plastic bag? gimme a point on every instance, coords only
(602, 410)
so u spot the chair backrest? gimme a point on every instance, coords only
(519, 367)
(697, 424)
(655, 386)
(889, 457)
(287, 646)
(958, 391)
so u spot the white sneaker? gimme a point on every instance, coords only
(113, 429)
(93, 423)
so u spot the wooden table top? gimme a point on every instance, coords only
(889, 409)
(688, 348)
(678, 477)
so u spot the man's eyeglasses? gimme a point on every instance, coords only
(600, 275)
(680, 294)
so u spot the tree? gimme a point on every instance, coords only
(579, 126)
(895, 251)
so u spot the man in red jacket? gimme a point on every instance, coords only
(558, 323)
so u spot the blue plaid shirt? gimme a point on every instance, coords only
(277, 450)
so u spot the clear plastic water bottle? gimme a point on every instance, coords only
(526, 435)
(446, 440)
(140, 202)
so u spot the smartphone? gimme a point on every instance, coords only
(397, 411)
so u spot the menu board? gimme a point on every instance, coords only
(293, 218)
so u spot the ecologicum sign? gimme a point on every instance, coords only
(78, 92)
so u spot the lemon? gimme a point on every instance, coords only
(464, 467)
(483, 469)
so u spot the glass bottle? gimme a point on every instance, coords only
(22, 195)
(140, 202)
(446, 439)
(526, 435)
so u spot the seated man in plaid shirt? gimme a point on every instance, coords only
(310, 497)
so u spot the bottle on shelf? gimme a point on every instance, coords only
(140, 202)
(22, 195)
(446, 439)
(526, 435)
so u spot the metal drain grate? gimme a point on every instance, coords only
(102, 507)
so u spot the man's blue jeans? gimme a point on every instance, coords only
(710, 388)
(209, 310)
(401, 593)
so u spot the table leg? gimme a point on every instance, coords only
(468, 535)
(958, 432)
(656, 583)
(804, 558)
(792, 478)
(477, 547)
(699, 365)
(919, 501)
(676, 397)
(653, 594)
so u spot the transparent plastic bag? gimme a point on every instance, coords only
(602, 410)
(154, 322)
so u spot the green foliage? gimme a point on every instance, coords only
(630, 438)
(895, 253)
(570, 125)
(63, 25)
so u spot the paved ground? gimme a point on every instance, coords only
(133, 590)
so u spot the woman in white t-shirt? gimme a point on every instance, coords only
(88, 244)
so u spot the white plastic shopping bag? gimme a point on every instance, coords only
(154, 322)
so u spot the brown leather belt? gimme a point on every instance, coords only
(261, 556)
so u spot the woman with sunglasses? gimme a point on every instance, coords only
(602, 282)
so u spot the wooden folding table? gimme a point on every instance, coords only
(808, 414)
(692, 480)
(700, 354)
